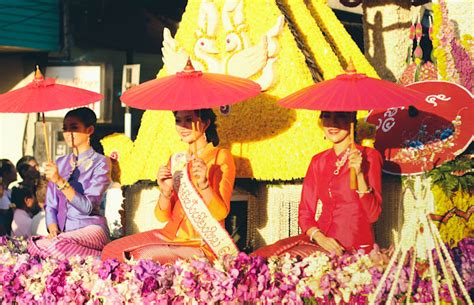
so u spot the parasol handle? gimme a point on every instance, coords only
(353, 177)
(195, 149)
(46, 142)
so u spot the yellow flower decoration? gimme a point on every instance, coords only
(268, 142)
(438, 52)
(346, 48)
(321, 50)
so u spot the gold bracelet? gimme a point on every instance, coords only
(163, 194)
(369, 190)
(64, 186)
(204, 188)
(312, 234)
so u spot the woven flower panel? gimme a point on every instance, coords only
(453, 227)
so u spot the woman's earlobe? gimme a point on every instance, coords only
(208, 123)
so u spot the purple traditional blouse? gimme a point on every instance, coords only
(90, 179)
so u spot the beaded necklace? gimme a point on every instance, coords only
(340, 163)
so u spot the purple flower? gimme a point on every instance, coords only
(149, 285)
(109, 268)
(146, 268)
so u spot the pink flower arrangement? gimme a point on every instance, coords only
(317, 279)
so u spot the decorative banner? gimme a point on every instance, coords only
(417, 140)
(211, 231)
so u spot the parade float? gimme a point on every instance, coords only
(286, 46)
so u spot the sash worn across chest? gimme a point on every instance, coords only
(211, 231)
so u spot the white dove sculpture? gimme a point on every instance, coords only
(245, 60)
(206, 45)
(174, 57)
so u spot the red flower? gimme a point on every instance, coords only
(114, 155)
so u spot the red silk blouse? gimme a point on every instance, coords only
(342, 214)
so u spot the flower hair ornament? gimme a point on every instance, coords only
(114, 155)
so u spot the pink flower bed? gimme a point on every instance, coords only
(318, 279)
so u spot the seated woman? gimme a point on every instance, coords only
(194, 199)
(332, 217)
(25, 203)
(77, 182)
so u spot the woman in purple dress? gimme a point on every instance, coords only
(77, 182)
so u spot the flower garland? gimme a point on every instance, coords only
(345, 46)
(441, 38)
(415, 151)
(317, 278)
(463, 64)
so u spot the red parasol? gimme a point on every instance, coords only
(352, 91)
(45, 95)
(440, 128)
(190, 90)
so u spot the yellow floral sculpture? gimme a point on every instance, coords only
(267, 141)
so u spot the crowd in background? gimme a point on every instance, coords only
(22, 203)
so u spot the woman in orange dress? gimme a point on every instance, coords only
(194, 199)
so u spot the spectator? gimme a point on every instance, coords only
(28, 169)
(7, 176)
(24, 200)
(38, 226)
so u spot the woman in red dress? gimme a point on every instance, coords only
(332, 217)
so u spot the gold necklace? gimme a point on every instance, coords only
(340, 163)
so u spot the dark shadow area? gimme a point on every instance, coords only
(353, 24)
(236, 224)
(391, 217)
(123, 24)
(254, 212)
(425, 42)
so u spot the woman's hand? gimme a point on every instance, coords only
(355, 160)
(53, 230)
(328, 243)
(199, 171)
(165, 180)
(51, 172)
